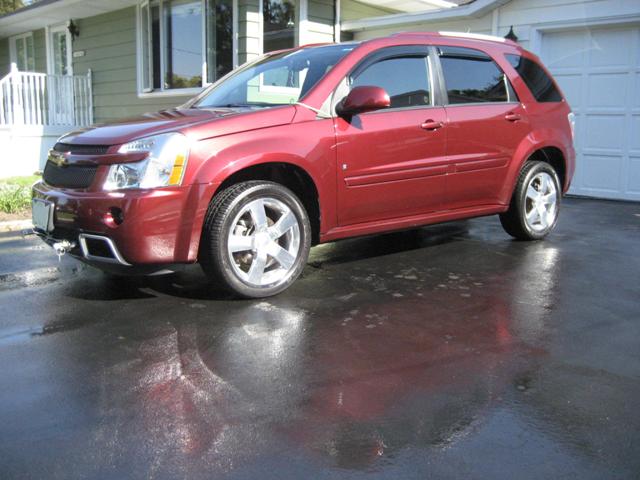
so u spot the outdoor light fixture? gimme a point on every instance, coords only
(511, 35)
(73, 29)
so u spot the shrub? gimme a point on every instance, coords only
(14, 198)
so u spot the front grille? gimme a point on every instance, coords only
(71, 176)
(81, 149)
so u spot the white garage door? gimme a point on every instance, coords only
(599, 72)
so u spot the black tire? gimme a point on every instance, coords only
(514, 220)
(214, 255)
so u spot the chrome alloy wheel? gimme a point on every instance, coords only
(541, 202)
(264, 242)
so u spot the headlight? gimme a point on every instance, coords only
(164, 167)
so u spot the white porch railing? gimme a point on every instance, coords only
(39, 99)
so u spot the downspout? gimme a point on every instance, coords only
(336, 21)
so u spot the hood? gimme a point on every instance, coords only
(196, 123)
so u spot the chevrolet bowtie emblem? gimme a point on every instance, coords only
(57, 158)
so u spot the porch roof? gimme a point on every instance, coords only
(49, 12)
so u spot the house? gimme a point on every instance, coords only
(76, 62)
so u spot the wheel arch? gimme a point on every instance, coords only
(290, 175)
(548, 152)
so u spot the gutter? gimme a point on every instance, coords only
(477, 9)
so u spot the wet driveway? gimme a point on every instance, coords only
(444, 352)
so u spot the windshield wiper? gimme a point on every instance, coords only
(239, 105)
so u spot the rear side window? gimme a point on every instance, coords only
(472, 76)
(534, 76)
(405, 79)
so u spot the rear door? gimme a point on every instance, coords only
(486, 123)
(391, 162)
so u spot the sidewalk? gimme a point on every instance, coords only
(15, 225)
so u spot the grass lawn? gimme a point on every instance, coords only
(15, 197)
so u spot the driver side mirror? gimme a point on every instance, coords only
(363, 99)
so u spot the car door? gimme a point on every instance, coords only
(486, 123)
(391, 162)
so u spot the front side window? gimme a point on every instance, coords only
(405, 79)
(472, 77)
(279, 19)
(22, 53)
(534, 76)
(287, 76)
(172, 39)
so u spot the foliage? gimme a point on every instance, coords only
(14, 198)
(15, 193)
(8, 6)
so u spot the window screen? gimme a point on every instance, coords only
(405, 79)
(534, 76)
(472, 77)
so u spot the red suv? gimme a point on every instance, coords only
(311, 145)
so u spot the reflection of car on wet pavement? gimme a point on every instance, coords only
(374, 136)
(440, 352)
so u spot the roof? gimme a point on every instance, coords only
(48, 12)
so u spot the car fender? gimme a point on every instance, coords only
(311, 148)
(534, 141)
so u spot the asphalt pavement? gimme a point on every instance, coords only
(448, 352)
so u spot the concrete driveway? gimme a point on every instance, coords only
(445, 352)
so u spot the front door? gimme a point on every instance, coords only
(60, 81)
(391, 163)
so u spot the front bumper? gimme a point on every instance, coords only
(139, 227)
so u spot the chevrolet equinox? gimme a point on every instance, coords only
(311, 145)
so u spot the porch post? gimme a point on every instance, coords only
(15, 102)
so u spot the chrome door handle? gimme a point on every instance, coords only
(431, 125)
(512, 117)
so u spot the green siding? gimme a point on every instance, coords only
(248, 30)
(109, 45)
(4, 57)
(320, 21)
(354, 10)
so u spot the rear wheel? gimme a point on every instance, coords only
(256, 239)
(535, 204)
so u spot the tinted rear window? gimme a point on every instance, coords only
(472, 77)
(534, 76)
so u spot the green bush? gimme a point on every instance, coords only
(14, 198)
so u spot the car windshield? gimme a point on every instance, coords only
(278, 79)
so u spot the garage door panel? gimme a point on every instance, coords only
(610, 48)
(566, 50)
(605, 132)
(601, 173)
(636, 91)
(634, 136)
(633, 184)
(608, 90)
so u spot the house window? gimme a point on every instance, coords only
(279, 20)
(184, 44)
(21, 50)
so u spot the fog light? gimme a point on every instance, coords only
(113, 217)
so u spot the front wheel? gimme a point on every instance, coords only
(256, 239)
(534, 207)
